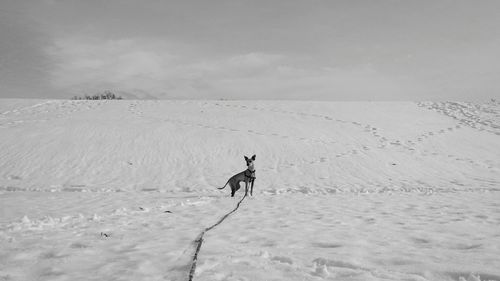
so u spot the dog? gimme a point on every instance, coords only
(247, 176)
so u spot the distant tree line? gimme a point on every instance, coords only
(106, 95)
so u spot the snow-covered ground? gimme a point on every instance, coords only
(120, 190)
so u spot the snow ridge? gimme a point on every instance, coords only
(199, 240)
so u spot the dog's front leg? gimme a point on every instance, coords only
(251, 188)
(246, 188)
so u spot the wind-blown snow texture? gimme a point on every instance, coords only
(120, 190)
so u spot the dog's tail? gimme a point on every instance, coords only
(223, 186)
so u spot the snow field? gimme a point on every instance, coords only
(119, 190)
(403, 236)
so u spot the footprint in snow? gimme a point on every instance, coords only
(282, 259)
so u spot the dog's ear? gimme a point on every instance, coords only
(246, 158)
(253, 157)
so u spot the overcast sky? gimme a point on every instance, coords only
(272, 49)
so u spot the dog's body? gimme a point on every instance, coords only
(247, 176)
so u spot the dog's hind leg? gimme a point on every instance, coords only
(233, 189)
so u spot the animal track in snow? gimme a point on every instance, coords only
(465, 160)
(350, 152)
(282, 259)
(384, 141)
(45, 111)
(250, 131)
(374, 131)
(480, 116)
(320, 116)
(133, 108)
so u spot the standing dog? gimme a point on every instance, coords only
(247, 176)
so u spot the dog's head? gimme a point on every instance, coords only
(250, 162)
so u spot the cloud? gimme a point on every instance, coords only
(93, 64)
(155, 68)
(22, 62)
(206, 49)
